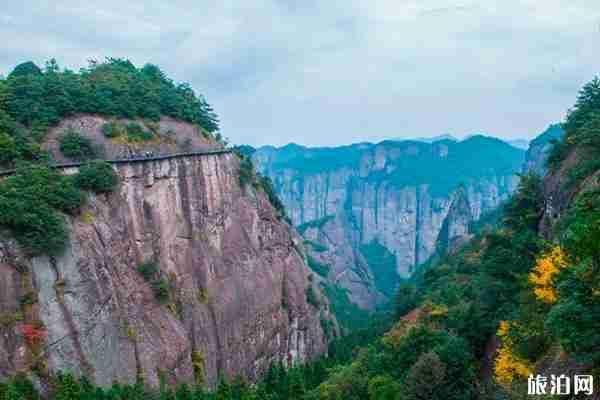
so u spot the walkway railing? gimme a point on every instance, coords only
(132, 160)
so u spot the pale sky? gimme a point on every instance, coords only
(336, 72)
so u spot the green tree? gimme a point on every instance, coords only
(97, 176)
(76, 146)
(426, 379)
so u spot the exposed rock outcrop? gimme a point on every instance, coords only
(237, 285)
(537, 153)
(398, 194)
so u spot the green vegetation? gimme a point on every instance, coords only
(39, 99)
(32, 200)
(319, 268)
(349, 315)
(113, 129)
(77, 147)
(248, 176)
(318, 247)
(383, 265)
(466, 161)
(279, 383)
(318, 224)
(137, 133)
(150, 270)
(582, 128)
(97, 176)
(311, 297)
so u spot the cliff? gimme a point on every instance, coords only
(237, 285)
(393, 194)
(537, 153)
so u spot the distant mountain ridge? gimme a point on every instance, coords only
(364, 202)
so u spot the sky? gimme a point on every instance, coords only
(336, 72)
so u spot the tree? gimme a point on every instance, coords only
(25, 69)
(97, 176)
(76, 146)
(426, 379)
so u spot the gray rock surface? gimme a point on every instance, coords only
(368, 205)
(237, 283)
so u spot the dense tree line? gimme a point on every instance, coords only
(39, 98)
(279, 383)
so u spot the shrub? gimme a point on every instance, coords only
(29, 201)
(246, 174)
(160, 287)
(8, 149)
(136, 133)
(426, 379)
(319, 268)
(557, 153)
(148, 269)
(77, 147)
(97, 176)
(311, 297)
(113, 129)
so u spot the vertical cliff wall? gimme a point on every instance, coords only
(237, 285)
(537, 153)
(396, 194)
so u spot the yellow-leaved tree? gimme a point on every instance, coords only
(509, 365)
(543, 275)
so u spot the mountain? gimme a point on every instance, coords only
(519, 143)
(433, 139)
(171, 263)
(520, 299)
(537, 153)
(391, 199)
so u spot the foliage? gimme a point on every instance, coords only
(522, 211)
(348, 314)
(406, 299)
(97, 176)
(137, 133)
(582, 126)
(575, 315)
(426, 378)
(315, 246)
(383, 265)
(160, 287)
(508, 365)
(29, 201)
(319, 268)
(311, 297)
(466, 161)
(115, 87)
(113, 129)
(316, 224)
(77, 147)
(248, 176)
(148, 269)
(543, 275)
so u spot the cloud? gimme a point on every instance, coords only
(325, 73)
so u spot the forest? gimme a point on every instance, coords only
(33, 99)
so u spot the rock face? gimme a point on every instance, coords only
(237, 285)
(397, 194)
(535, 158)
